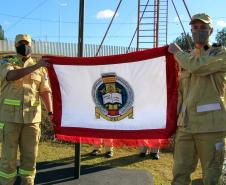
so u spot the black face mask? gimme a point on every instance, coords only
(23, 50)
(200, 36)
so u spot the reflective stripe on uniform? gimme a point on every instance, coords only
(27, 172)
(8, 101)
(1, 125)
(208, 107)
(8, 175)
(34, 103)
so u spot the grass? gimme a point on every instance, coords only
(161, 170)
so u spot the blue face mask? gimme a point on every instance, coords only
(23, 49)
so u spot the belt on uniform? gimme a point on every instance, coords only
(208, 107)
(8, 101)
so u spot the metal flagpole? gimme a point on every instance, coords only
(80, 54)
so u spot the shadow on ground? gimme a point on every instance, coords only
(62, 171)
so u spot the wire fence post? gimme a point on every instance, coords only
(80, 54)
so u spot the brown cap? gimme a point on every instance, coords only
(201, 17)
(20, 37)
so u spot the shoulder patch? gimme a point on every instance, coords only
(12, 59)
(4, 61)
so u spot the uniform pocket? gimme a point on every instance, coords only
(7, 111)
(219, 154)
(35, 103)
(185, 78)
(181, 120)
(35, 80)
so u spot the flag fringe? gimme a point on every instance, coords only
(154, 143)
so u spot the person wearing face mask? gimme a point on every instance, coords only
(201, 123)
(24, 83)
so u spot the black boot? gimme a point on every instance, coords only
(154, 156)
(109, 154)
(95, 153)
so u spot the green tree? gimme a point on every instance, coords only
(2, 37)
(182, 41)
(221, 37)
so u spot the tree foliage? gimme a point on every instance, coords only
(2, 36)
(183, 40)
(221, 37)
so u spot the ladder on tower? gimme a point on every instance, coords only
(152, 23)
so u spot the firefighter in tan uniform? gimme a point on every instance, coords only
(202, 115)
(23, 83)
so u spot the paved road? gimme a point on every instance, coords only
(62, 174)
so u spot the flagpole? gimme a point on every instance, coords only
(80, 54)
(81, 26)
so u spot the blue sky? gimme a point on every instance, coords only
(57, 20)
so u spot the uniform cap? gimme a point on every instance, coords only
(20, 37)
(201, 17)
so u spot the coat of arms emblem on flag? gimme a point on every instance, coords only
(113, 97)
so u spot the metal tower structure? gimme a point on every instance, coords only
(152, 23)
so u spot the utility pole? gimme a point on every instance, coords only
(80, 54)
(80, 29)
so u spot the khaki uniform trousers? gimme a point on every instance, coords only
(208, 147)
(145, 149)
(107, 148)
(26, 136)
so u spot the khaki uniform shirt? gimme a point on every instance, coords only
(20, 100)
(202, 90)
